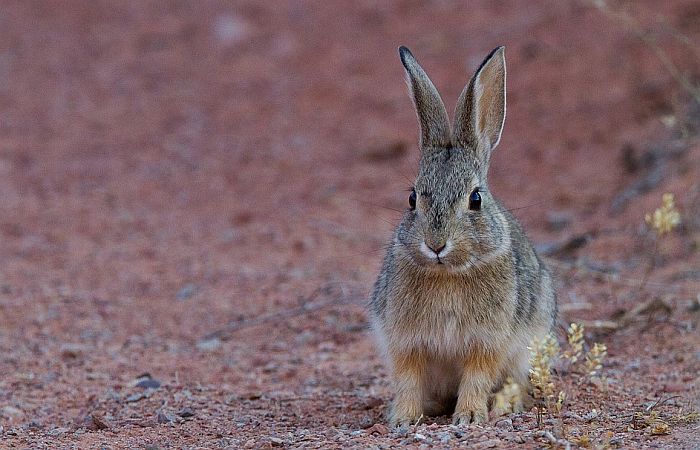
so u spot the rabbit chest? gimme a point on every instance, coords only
(449, 316)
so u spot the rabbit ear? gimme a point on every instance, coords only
(432, 115)
(481, 108)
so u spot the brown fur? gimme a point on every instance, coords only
(461, 292)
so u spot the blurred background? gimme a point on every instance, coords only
(197, 194)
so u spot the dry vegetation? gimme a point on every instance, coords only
(583, 365)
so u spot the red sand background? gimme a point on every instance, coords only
(179, 179)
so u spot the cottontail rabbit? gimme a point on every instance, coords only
(461, 293)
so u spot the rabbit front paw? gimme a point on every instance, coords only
(471, 416)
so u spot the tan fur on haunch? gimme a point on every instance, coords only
(461, 292)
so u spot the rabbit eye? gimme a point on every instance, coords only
(475, 200)
(412, 200)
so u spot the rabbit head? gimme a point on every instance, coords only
(453, 222)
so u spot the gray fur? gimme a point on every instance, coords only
(453, 325)
(432, 115)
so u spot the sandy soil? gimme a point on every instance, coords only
(194, 197)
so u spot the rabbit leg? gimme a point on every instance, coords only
(480, 371)
(408, 372)
(520, 373)
(512, 392)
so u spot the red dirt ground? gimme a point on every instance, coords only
(199, 191)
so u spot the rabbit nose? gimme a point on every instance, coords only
(435, 248)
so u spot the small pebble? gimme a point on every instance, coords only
(372, 403)
(72, 350)
(186, 412)
(591, 415)
(139, 396)
(379, 429)
(505, 424)
(366, 421)
(163, 417)
(148, 383)
(401, 431)
(10, 411)
(490, 443)
(209, 344)
(444, 437)
(617, 441)
(186, 292)
(99, 422)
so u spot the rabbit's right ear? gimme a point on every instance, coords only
(432, 115)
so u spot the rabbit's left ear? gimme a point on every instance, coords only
(481, 108)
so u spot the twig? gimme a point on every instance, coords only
(554, 441)
(637, 29)
(619, 280)
(650, 267)
(602, 325)
(307, 307)
(660, 402)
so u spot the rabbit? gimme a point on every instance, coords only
(461, 292)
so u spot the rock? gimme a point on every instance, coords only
(591, 415)
(617, 441)
(401, 431)
(252, 396)
(186, 412)
(139, 396)
(505, 424)
(379, 429)
(270, 367)
(373, 402)
(71, 351)
(366, 421)
(230, 29)
(490, 443)
(276, 442)
(444, 437)
(163, 417)
(145, 381)
(58, 431)
(209, 345)
(10, 412)
(99, 422)
(148, 383)
(186, 292)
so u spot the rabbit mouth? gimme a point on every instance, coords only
(436, 258)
